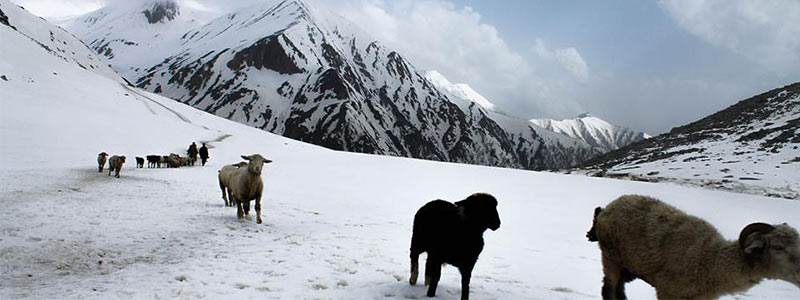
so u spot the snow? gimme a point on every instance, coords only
(336, 225)
(593, 130)
(461, 91)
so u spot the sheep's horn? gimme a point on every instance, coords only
(753, 228)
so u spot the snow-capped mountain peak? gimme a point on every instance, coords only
(593, 130)
(460, 91)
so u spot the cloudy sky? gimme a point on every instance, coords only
(647, 65)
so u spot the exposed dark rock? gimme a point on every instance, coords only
(160, 11)
(4, 20)
(265, 53)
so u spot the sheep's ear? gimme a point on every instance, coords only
(266, 161)
(246, 157)
(751, 238)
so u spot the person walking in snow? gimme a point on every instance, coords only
(192, 152)
(203, 154)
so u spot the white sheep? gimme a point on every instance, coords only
(101, 161)
(245, 185)
(224, 177)
(684, 257)
(115, 164)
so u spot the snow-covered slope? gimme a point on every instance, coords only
(752, 146)
(594, 131)
(336, 225)
(300, 71)
(52, 39)
(458, 90)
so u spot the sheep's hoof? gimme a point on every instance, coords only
(258, 221)
(413, 279)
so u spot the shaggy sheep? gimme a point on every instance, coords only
(139, 162)
(153, 161)
(115, 164)
(683, 256)
(451, 233)
(245, 185)
(101, 161)
(224, 179)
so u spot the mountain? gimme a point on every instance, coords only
(300, 71)
(751, 146)
(594, 131)
(336, 225)
(27, 30)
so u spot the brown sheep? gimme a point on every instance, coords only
(245, 185)
(115, 164)
(101, 161)
(683, 256)
(224, 179)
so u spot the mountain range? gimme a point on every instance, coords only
(752, 146)
(301, 71)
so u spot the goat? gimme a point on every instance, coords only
(683, 256)
(451, 233)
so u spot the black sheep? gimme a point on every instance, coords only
(153, 161)
(451, 233)
(140, 162)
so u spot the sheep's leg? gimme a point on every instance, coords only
(466, 274)
(414, 271)
(613, 285)
(224, 197)
(415, 252)
(246, 205)
(433, 268)
(230, 198)
(239, 212)
(258, 209)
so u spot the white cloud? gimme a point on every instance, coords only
(766, 31)
(568, 58)
(437, 34)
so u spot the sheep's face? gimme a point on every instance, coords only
(782, 253)
(255, 163)
(482, 210)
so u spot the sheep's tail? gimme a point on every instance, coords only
(592, 234)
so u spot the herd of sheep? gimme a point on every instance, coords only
(681, 256)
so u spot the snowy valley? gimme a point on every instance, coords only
(337, 225)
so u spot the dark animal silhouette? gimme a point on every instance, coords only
(139, 162)
(453, 234)
(101, 161)
(153, 161)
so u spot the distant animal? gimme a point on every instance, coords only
(139, 162)
(685, 257)
(115, 164)
(224, 179)
(245, 185)
(153, 161)
(451, 233)
(101, 161)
